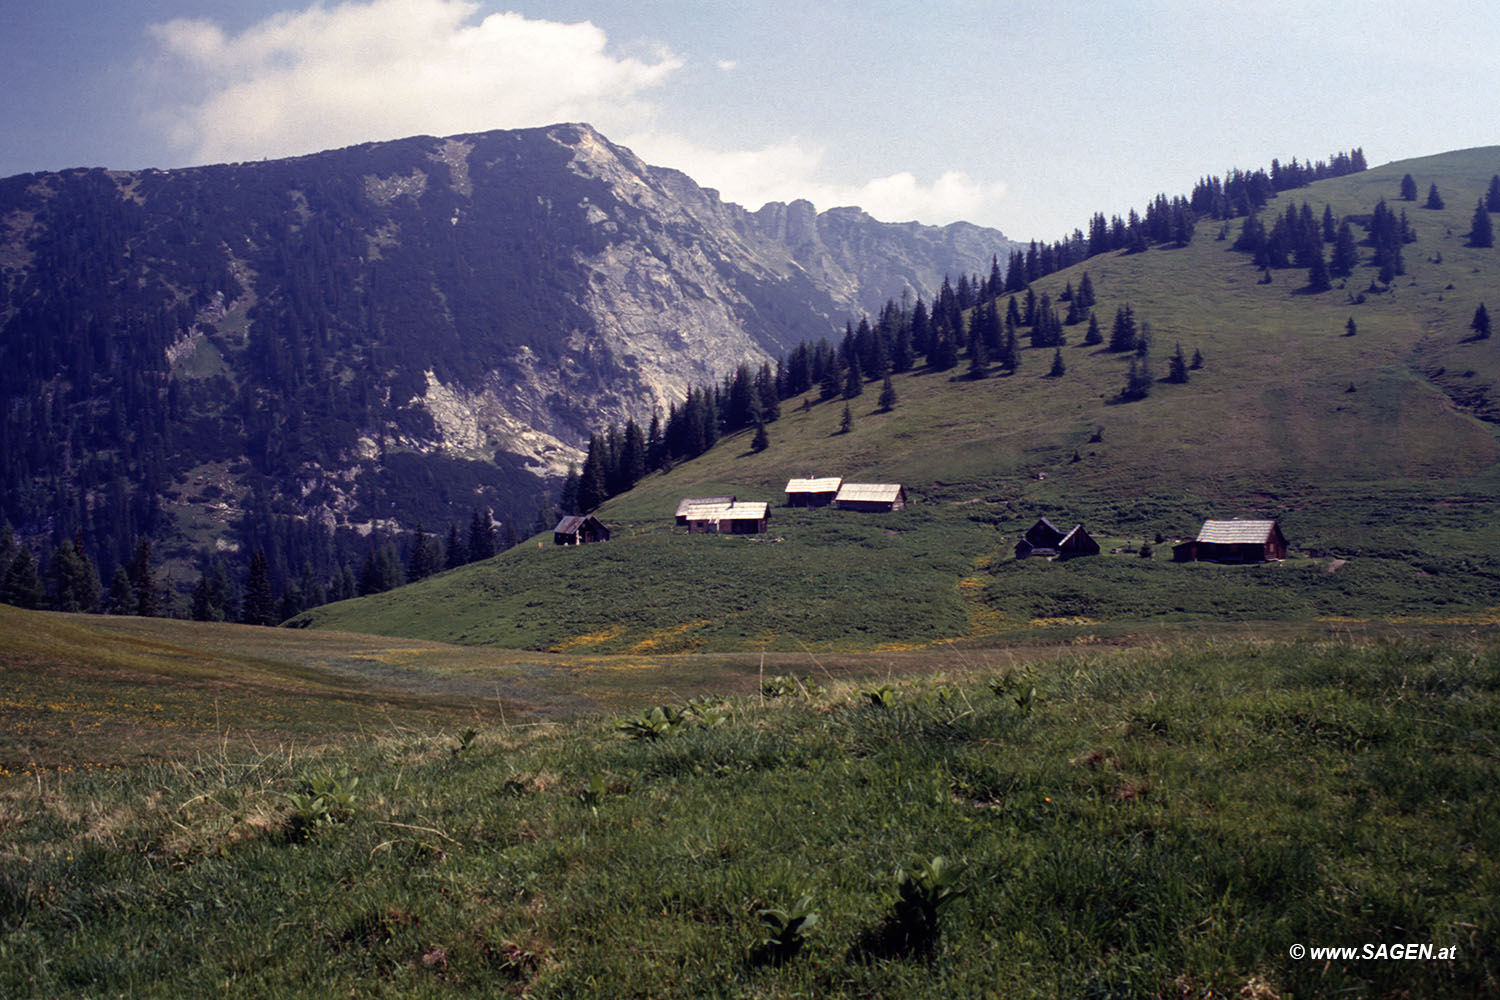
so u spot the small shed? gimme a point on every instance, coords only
(579, 529)
(752, 518)
(870, 496)
(812, 492)
(682, 507)
(1234, 541)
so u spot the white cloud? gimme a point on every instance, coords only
(793, 169)
(366, 70)
(302, 81)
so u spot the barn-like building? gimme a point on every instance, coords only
(1045, 539)
(751, 518)
(1234, 541)
(579, 529)
(870, 496)
(811, 492)
(690, 502)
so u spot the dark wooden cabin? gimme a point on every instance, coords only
(1045, 539)
(1234, 541)
(877, 497)
(1077, 543)
(811, 492)
(579, 529)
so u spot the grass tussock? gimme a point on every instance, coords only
(1164, 821)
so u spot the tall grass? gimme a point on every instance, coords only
(1157, 822)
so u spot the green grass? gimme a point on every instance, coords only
(1399, 478)
(1163, 821)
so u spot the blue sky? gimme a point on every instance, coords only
(1024, 116)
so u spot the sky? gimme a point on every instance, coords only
(1023, 116)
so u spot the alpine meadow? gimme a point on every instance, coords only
(927, 739)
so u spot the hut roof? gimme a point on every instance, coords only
(682, 508)
(751, 511)
(570, 524)
(826, 485)
(1237, 532)
(869, 492)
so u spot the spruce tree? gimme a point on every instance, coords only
(1408, 188)
(1345, 255)
(143, 582)
(456, 554)
(1177, 368)
(1492, 196)
(22, 586)
(1434, 200)
(887, 395)
(121, 593)
(1317, 275)
(482, 535)
(847, 423)
(1350, 329)
(1138, 381)
(1197, 360)
(1093, 336)
(1058, 369)
(260, 602)
(762, 441)
(1481, 234)
(1123, 337)
(1480, 324)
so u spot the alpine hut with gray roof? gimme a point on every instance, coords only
(690, 502)
(870, 496)
(733, 518)
(1234, 541)
(811, 492)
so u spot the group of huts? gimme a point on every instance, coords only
(1232, 541)
(729, 515)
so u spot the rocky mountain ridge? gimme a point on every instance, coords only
(391, 332)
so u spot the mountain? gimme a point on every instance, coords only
(290, 354)
(1376, 445)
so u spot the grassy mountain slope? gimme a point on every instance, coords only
(1370, 448)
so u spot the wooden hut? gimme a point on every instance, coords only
(687, 502)
(870, 496)
(812, 492)
(579, 529)
(751, 518)
(1045, 539)
(1077, 543)
(1041, 539)
(1234, 541)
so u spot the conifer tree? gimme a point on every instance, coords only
(1408, 188)
(1345, 255)
(143, 581)
(75, 582)
(121, 593)
(1492, 196)
(1123, 337)
(1481, 234)
(1177, 368)
(1093, 336)
(761, 441)
(979, 358)
(22, 586)
(1434, 200)
(425, 558)
(1480, 324)
(887, 395)
(1197, 360)
(482, 535)
(1350, 329)
(260, 602)
(1058, 369)
(456, 554)
(1317, 275)
(846, 424)
(1138, 381)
